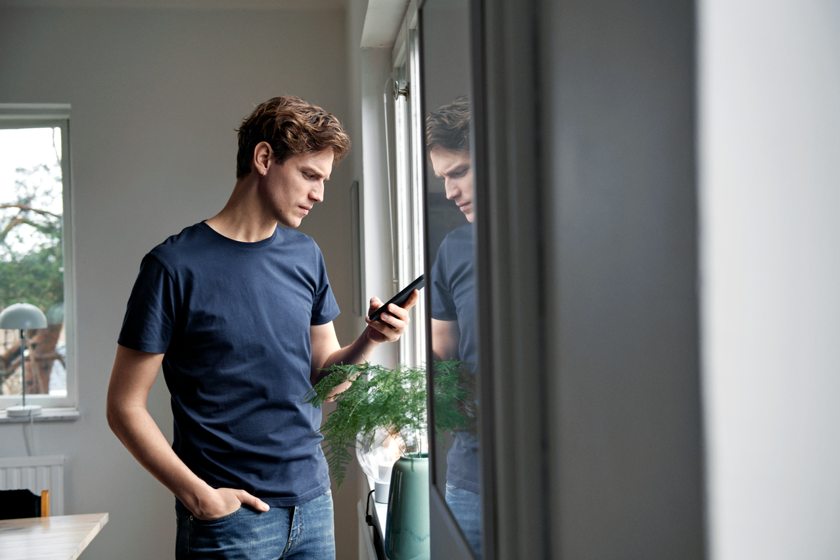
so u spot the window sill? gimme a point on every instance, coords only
(379, 513)
(47, 415)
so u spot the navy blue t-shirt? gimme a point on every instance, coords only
(454, 299)
(232, 320)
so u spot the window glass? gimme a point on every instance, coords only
(32, 261)
(451, 216)
(408, 199)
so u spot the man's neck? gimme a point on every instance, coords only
(243, 218)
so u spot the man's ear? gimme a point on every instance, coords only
(263, 158)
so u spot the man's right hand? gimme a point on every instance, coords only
(220, 502)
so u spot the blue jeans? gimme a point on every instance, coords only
(302, 532)
(466, 509)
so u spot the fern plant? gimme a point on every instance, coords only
(393, 399)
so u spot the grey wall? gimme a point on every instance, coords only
(156, 95)
(621, 261)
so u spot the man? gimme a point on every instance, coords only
(453, 299)
(239, 313)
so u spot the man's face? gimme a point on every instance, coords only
(455, 168)
(291, 189)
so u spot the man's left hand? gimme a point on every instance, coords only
(391, 325)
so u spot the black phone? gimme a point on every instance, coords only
(401, 297)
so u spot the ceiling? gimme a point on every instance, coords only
(184, 4)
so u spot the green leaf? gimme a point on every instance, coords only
(393, 399)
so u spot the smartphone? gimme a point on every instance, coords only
(401, 297)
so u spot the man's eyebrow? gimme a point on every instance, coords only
(312, 171)
(456, 169)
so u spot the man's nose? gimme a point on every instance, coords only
(317, 194)
(452, 190)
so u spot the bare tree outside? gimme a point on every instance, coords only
(31, 256)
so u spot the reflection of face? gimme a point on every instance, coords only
(290, 190)
(455, 168)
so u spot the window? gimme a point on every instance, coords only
(403, 102)
(35, 251)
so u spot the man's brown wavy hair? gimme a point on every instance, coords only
(291, 126)
(449, 126)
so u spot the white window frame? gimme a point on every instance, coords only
(407, 190)
(18, 115)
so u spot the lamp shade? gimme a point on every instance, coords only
(22, 316)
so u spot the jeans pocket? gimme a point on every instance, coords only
(217, 520)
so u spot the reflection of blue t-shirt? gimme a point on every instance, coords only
(233, 321)
(454, 299)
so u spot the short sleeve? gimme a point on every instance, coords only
(324, 306)
(443, 303)
(151, 311)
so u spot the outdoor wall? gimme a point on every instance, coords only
(769, 121)
(156, 96)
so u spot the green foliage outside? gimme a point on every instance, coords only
(32, 269)
(35, 278)
(31, 256)
(392, 399)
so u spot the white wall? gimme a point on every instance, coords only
(770, 264)
(370, 70)
(156, 95)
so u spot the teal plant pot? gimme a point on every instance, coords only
(407, 523)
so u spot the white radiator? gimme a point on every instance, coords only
(36, 474)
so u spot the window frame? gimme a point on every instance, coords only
(407, 187)
(26, 115)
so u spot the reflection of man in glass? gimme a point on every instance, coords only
(454, 327)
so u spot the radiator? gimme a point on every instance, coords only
(36, 474)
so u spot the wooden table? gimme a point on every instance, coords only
(62, 537)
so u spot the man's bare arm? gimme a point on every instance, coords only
(446, 335)
(132, 378)
(326, 351)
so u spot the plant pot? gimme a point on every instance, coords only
(407, 523)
